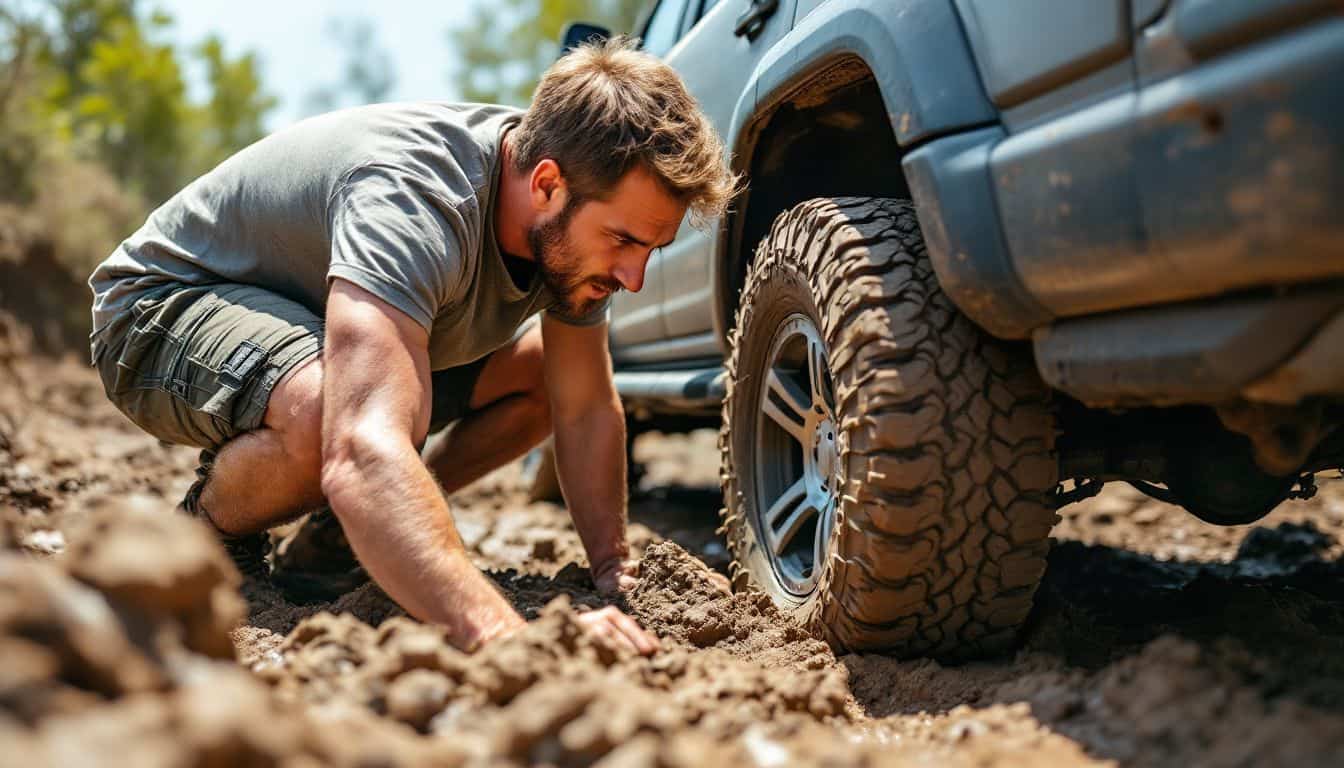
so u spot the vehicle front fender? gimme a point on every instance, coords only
(915, 50)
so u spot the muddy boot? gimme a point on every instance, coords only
(247, 551)
(315, 563)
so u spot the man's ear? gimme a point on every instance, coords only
(547, 188)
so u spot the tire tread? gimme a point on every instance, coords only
(948, 447)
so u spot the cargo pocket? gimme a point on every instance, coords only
(133, 366)
(246, 360)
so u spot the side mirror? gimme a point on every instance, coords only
(577, 33)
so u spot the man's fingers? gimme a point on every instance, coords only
(605, 632)
(609, 623)
(616, 576)
(643, 641)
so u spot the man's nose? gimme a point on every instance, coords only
(630, 273)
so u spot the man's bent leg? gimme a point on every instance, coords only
(271, 475)
(508, 413)
(202, 365)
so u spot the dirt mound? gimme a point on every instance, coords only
(552, 693)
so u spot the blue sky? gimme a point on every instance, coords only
(299, 56)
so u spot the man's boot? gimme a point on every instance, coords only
(247, 551)
(315, 563)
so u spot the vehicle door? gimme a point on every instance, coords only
(716, 55)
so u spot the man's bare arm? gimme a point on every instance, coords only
(589, 444)
(376, 407)
(375, 411)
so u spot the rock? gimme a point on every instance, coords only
(417, 696)
(162, 567)
(77, 625)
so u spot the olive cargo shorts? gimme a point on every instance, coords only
(195, 365)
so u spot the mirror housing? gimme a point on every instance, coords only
(577, 33)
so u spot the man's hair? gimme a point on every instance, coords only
(605, 108)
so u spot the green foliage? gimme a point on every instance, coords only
(99, 81)
(504, 49)
(233, 116)
(97, 125)
(21, 135)
(128, 102)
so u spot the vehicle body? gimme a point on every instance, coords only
(1142, 201)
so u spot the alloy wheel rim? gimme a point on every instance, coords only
(797, 456)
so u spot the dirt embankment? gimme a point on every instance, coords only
(1157, 640)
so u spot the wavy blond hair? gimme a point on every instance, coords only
(605, 108)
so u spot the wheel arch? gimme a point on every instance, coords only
(887, 75)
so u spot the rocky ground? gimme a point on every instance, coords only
(1156, 640)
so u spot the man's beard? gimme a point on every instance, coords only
(558, 262)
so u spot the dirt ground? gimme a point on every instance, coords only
(1156, 639)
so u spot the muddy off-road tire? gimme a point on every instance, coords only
(922, 448)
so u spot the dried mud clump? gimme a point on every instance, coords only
(162, 572)
(679, 597)
(123, 657)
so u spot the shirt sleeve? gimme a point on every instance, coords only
(599, 314)
(407, 249)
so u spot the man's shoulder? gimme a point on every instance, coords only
(403, 125)
(447, 149)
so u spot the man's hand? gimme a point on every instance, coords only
(615, 575)
(621, 630)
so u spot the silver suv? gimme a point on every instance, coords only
(993, 255)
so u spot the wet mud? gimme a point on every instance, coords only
(126, 638)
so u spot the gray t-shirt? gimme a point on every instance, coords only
(396, 198)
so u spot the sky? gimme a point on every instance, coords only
(298, 56)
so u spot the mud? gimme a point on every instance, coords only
(127, 639)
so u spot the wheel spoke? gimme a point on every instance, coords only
(787, 405)
(823, 534)
(785, 515)
(816, 371)
(790, 511)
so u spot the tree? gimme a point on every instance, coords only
(21, 136)
(96, 124)
(129, 102)
(508, 44)
(105, 83)
(234, 114)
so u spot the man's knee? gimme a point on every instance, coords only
(295, 412)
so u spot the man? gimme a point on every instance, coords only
(309, 311)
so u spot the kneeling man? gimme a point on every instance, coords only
(312, 309)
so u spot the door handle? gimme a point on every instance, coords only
(749, 24)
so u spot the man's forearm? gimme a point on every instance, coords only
(590, 460)
(400, 528)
